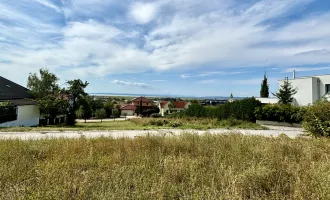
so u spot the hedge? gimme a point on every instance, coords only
(280, 113)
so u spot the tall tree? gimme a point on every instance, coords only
(285, 92)
(77, 93)
(264, 91)
(101, 113)
(45, 89)
(43, 85)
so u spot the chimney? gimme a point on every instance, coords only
(294, 74)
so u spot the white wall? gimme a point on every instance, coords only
(128, 112)
(325, 79)
(27, 115)
(304, 86)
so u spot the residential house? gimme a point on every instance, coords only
(138, 103)
(23, 110)
(309, 89)
(128, 110)
(165, 107)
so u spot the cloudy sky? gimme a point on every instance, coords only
(184, 47)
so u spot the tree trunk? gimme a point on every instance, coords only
(85, 120)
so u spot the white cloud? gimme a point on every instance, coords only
(184, 76)
(132, 84)
(49, 5)
(143, 13)
(305, 69)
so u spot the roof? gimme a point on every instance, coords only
(22, 102)
(180, 104)
(143, 99)
(10, 90)
(304, 77)
(163, 103)
(128, 107)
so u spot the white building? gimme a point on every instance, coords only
(27, 114)
(309, 88)
(22, 110)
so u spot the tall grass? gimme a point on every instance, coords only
(144, 124)
(157, 167)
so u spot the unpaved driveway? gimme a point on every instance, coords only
(274, 131)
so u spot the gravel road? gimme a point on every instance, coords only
(272, 132)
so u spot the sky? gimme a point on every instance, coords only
(178, 47)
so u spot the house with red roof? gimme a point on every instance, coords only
(128, 110)
(167, 107)
(137, 103)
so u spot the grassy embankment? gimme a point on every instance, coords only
(183, 167)
(144, 124)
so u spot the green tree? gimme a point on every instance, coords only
(115, 112)
(50, 97)
(108, 106)
(264, 91)
(171, 106)
(285, 92)
(101, 113)
(80, 113)
(76, 91)
(43, 85)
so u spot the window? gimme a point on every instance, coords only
(327, 88)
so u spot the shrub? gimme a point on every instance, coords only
(178, 115)
(175, 124)
(317, 119)
(196, 110)
(156, 123)
(280, 113)
(240, 109)
(156, 115)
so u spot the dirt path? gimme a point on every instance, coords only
(273, 132)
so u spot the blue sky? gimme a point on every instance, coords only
(182, 47)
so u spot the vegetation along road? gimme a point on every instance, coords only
(273, 131)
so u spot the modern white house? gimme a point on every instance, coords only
(309, 88)
(23, 111)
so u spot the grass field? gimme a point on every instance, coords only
(183, 167)
(143, 124)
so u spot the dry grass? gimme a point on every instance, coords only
(183, 167)
(143, 124)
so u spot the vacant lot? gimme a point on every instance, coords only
(183, 167)
(144, 124)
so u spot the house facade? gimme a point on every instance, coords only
(309, 88)
(22, 111)
(128, 110)
(165, 107)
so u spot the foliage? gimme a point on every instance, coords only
(317, 119)
(159, 167)
(100, 113)
(264, 91)
(280, 113)
(156, 115)
(44, 85)
(80, 113)
(50, 97)
(240, 109)
(194, 101)
(285, 92)
(77, 92)
(196, 110)
(116, 112)
(108, 106)
(5, 103)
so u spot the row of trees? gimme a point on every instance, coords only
(71, 100)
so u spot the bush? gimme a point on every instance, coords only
(280, 113)
(175, 124)
(156, 115)
(317, 119)
(196, 110)
(156, 123)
